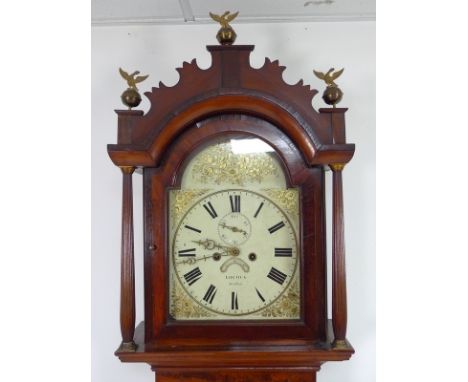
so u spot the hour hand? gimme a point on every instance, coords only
(233, 228)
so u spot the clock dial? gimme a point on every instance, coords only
(235, 252)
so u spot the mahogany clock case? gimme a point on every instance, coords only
(232, 100)
(160, 328)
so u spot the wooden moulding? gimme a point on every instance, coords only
(223, 357)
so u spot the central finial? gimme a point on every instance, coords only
(226, 35)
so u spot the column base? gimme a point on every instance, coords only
(340, 344)
(127, 347)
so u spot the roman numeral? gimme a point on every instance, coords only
(260, 295)
(235, 203)
(192, 228)
(277, 276)
(276, 227)
(209, 208)
(187, 252)
(258, 209)
(234, 303)
(210, 294)
(283, 252)
(193, 276)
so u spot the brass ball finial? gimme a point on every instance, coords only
(226, 35)
(332, 94)
(131, 97)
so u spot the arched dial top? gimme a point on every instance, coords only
(234, 245)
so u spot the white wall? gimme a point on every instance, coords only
(301, 47)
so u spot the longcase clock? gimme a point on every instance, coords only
(233, 162)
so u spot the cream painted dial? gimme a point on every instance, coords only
(235, 252)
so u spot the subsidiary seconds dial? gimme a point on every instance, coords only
(235, 252)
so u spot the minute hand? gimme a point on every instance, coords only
(193, 260)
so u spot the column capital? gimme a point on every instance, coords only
(337, 166)
(127, 169)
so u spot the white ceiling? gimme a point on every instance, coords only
(116, 12)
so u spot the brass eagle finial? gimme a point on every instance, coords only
(131, 79)
(226, 35)
(329, 77)
(332, 94)
(225, 18)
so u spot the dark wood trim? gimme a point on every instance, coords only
(236, 374)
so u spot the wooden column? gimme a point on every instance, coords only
(127, 270)
(339, 305)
